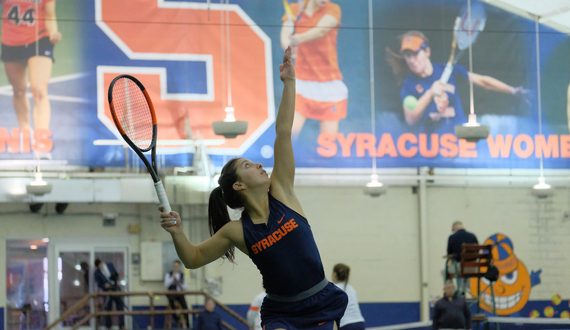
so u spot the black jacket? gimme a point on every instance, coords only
(456, 240)
(451, 314)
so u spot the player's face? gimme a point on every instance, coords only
(175, 267)
(417, 61)
(251, 174)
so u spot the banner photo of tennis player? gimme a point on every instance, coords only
(204, 62)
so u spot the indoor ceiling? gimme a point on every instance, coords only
(552, 13)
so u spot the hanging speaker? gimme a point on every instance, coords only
(472, 133)
(230, 129)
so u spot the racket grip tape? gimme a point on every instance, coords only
(163, 199)
(446, 73)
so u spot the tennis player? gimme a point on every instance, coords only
(273, 231)
(29, 33)
(254, 312)
(321, 93)
(352, 319)
(438, 108)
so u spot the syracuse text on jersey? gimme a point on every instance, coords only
(274, 237)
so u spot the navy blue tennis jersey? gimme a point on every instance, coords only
(298, 294)
(284, 250)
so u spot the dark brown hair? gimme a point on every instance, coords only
(221, 197)
(397, 62)
(342, 272)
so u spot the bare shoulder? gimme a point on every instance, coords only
(286, 196)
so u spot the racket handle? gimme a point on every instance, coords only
(162, 196)
(446, 73)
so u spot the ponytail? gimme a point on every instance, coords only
(399, 66)
(342, 272)
(220, 198)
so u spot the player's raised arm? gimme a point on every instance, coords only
(283, 175)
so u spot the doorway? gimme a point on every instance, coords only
(72, 266)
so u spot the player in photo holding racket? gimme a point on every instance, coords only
(272, 231)
(311, 28)
(429, 104)
(29, 33)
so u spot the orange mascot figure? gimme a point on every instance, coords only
(512, 289)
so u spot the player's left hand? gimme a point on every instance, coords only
(286, 70)
(54, 37)
(522, 93)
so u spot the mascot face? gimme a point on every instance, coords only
(512, 289)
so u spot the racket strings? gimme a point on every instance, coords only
(133, 112)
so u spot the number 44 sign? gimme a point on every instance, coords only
(27, 17)
(158, 30)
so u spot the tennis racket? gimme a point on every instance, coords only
(135, 119)
(461, 32)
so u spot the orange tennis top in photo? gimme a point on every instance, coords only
(146, 28)
(317, 60)
(19, 19)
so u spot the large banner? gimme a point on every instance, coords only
(197, 59)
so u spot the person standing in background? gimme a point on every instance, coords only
(352, 319)
(107, 279)
(176, 281)
(209, 319)
(451, 312)
(254, 312)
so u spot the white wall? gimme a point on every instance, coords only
(377, 237)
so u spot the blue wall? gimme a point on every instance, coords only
(375, 314)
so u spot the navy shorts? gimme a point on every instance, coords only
(23, 53)
(318, 312)
(353, 326)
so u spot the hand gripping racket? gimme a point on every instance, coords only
(461, 31)
(135, 119)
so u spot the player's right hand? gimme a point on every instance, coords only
(54, 37)
(437, 88)
(170, 222)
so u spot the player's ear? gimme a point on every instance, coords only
(238, 186)
(428, 52)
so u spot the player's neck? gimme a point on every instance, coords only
(312, 7)
(257, 205)
(428, 70)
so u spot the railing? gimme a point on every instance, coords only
(151, 311)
